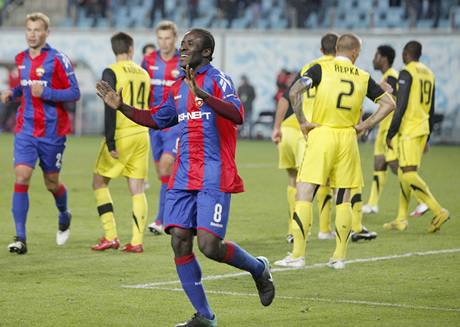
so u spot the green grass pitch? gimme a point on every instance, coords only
(73, 286)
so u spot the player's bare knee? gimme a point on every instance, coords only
(342, 196)
(181, 241)
(210, 246)
(306, 191)
(394, 166)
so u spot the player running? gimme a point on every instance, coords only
(206, 108)
(47, 82)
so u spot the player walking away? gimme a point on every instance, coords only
(383, 156)
(163, 68)
(413, 123)
(125, 149)
(206, 107)
(332, 149)
(291, 146)
(47, 81)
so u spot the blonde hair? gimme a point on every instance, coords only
(38, 16)
(166, 25)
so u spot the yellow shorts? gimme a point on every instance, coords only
(381, 148)
(410, 150)
(133, 151)
(332, 153)
(291, 148)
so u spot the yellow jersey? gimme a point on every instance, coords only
(420, 100)
(391, 77)
(340, 90)
(135, 82)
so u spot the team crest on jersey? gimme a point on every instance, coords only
(175, 73)
(198, 102)
(40, 71)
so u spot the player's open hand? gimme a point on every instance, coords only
(191, 83)
(108, 95)
(386, 87)
(276, 135)
(307, 127)
(36, 89)
(6, 96)
(361, 129)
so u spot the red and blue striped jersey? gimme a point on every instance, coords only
(45, 116)
(163, 74)
(207, 141)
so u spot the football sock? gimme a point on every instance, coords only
(291, 192)
(105, 209)
(161, 204)
(378, 182)
(301, 226)
(421, 191)
(404, 197)
(356, 210)
(237, 257)
(323, 199)
(189, 272)
(139, 218)
(20, 209)
(60, 198)
(342, 229)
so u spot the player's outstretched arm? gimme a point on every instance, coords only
(386, 106)
(114, 101)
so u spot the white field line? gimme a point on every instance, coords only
(325, 300)
(313, 266)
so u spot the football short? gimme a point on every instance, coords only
(164, 141)
(332, 153)
(206, 210)
(28, 149)
(133, 161)
(381, 148)
(291, 148)
(410, 150)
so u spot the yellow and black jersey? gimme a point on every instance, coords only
(340, 91)
(391, 77)
(414, 101)
(135, 82)
(290, 119)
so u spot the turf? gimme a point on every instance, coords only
(72, 286)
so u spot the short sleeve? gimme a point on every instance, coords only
(374, 91)
(315, 74)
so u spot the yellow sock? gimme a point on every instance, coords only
(323, 198)
(139, 218)
(291, 192)
(356, 209)
(342, 230)
(377, 186)
(421, 191)
(404, 197)
(301, 226)
(105, 208)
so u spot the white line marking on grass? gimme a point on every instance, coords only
(325, 300)
(313, 266)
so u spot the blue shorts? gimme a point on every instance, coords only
(28, 149)
(164, 141)
(205, 210)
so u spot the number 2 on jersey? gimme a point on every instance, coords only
(140, 97)
(340, 99)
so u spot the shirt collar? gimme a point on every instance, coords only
(45, 48)
(203, 69)
(343, 58)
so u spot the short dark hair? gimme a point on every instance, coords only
(328, 43)
(207, 40)
(121, 43)
(414, 49)
(148, 45)
(387, 52)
